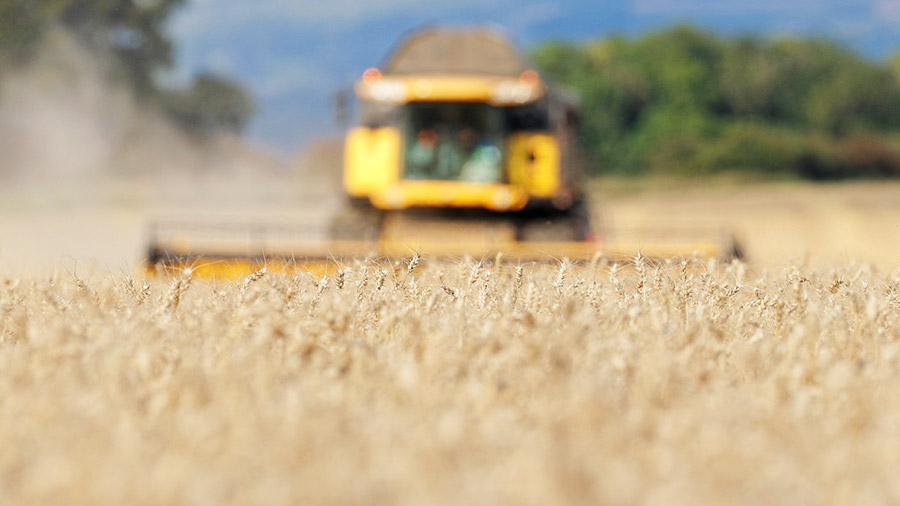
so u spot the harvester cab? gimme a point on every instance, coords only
(457, 131)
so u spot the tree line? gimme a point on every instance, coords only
(684, 101)
(130, 35)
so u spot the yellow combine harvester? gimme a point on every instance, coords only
(461, 149)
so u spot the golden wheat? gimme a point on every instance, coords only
(454, 383)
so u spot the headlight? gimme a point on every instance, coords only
(515, 92)
(388, 90)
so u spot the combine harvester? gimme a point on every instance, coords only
(461, 149)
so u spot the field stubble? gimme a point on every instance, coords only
(454, 383)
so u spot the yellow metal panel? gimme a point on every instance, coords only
(534, 163)
(495, 196)
(371, 160)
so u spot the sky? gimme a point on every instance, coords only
(293, 55)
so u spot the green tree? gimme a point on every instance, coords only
(22, 25)
(130, 34)
(686, 101)
(209, 105)
(131, 30)
(750, 79)
(683, 66)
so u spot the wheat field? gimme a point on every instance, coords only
(454, 382)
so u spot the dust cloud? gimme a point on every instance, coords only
(84, 166)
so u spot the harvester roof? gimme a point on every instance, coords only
(465, 51)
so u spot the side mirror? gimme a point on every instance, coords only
(341, 104)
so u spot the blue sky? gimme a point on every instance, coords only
(293, 54)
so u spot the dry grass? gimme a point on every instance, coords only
(454, 383)
(777, 222)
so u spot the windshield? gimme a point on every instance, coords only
(454, 141)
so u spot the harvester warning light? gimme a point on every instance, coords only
(371, 76)
(530, 77)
